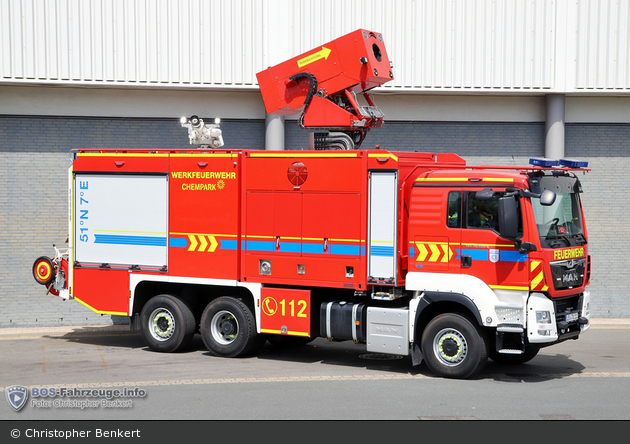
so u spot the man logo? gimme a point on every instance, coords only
(17, 396)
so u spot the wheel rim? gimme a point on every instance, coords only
(450, 347)
(224, 327)
(161, 324)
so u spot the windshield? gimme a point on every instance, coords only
(562, 220)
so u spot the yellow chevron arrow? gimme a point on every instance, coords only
(322, 54)
(193, 242)
(435, 253)
(204, 243)
(423, 252)
(448, 253)
(213, 244)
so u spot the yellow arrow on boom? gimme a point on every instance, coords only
(322, 54)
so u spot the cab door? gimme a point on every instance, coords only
(434, 229)
(483, 252)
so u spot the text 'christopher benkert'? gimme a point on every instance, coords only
(81, 398)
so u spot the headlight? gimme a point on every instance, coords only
(543, 317)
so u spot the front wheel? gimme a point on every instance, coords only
(228, 328)
(167, 323)
(453, 346)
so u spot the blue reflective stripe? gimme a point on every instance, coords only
(313, 248)
(504, 255)
(260, 246)
(343, 249)
(513, 256)
(290, 247)
(476, 255)
(376, 250)
(178, 242)
(297, 247)
(228, 244)
(150, 241)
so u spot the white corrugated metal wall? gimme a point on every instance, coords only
(459, 45)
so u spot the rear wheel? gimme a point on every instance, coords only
(453, 346)
(228, 328)
(167, 323)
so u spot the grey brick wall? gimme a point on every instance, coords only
(34, 158)
(34, 161)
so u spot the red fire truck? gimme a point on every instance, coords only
(406, 253)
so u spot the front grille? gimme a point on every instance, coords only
(568, 274)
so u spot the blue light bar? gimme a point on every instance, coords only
(543, 162)
(572, 163)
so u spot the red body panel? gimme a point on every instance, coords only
(285, 311)
(309, 232)
(121, 162)
(105, 291)
(204, 215)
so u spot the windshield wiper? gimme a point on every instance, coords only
(579, 238)
(553, 240)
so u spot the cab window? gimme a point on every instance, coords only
(484, 214)
(454, 210)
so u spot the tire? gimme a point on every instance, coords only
(453, 346)
(43, 270)
(501, 358)
(288, 341)
(167, 324)
(228, 328)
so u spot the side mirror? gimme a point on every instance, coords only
(485, 194)
(508, 217)
(547, 198)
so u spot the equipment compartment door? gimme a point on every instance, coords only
(383, 219)
(120, 219)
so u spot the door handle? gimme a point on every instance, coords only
(466, 261)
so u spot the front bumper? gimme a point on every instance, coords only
(568, 317)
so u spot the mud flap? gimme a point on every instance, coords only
(416, 354)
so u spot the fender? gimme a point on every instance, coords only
(430, 297)
(254, 288)
(470, 291)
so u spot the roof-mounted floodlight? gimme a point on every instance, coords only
(200, 133)
(543, 162)
(573, 163)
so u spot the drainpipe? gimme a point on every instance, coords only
(554, 126)
(274, 132)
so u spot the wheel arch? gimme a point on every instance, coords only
(433, 304)
(196, 292)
